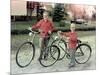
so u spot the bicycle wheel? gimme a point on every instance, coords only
(61, 44)
(49, 61)
(83, 53)
(25, 54)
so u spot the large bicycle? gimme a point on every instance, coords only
(82, 54)
(26, 53)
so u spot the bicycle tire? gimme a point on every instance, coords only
(81, 58)
(32, 52)
(48, 60)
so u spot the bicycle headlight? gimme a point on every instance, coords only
(30, 33)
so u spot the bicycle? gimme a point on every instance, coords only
(26, 53)
(82, 54)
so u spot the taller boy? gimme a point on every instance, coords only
(45, 27)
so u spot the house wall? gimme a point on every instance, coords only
(18, 7)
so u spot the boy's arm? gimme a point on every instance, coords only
(37, 25)
(65, 34)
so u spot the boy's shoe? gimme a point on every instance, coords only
(68, 56)
(41, 57)
(71, 65)
(45, 57)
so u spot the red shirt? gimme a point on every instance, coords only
(72, 42)
(44, 26)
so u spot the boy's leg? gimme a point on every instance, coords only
(46, 40)
(41, 44)
(41, 41)
(72, 57)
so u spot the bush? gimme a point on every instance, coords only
(62, 24)
(19, 31)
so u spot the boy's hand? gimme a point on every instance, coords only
(49, 32)
(68, 38)
(59, 32)
(29, 28)
(40, 30)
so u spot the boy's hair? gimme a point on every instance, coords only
(45, 13)
(72, 25)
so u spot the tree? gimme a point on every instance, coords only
(40, 12)
(58, 12)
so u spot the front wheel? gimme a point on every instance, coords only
(25, 54)
(61, 44)
(49, 61)
(83, 53)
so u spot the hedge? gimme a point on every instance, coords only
(58, 29)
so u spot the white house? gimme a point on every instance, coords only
(18, 7)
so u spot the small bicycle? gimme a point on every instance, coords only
(26, 53)
(82, 54)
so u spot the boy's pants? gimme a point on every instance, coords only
(43, 44)
(72, 56)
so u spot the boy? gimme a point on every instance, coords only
(45, 27)
(72, 43)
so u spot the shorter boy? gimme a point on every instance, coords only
(72, 43)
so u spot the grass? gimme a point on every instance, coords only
(25, 25)
(21, 25)
(17, 40)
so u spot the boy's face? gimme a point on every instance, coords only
(45, 16)
(72, 27)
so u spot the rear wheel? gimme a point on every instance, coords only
(25, 54)
(83, 53)
(49, 61)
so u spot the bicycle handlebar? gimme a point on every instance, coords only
(33, 31)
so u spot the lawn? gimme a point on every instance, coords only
(17, 40)
(58, 25)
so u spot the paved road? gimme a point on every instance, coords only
(62, 65)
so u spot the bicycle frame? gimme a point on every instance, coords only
(63, 48)
(66, 51)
